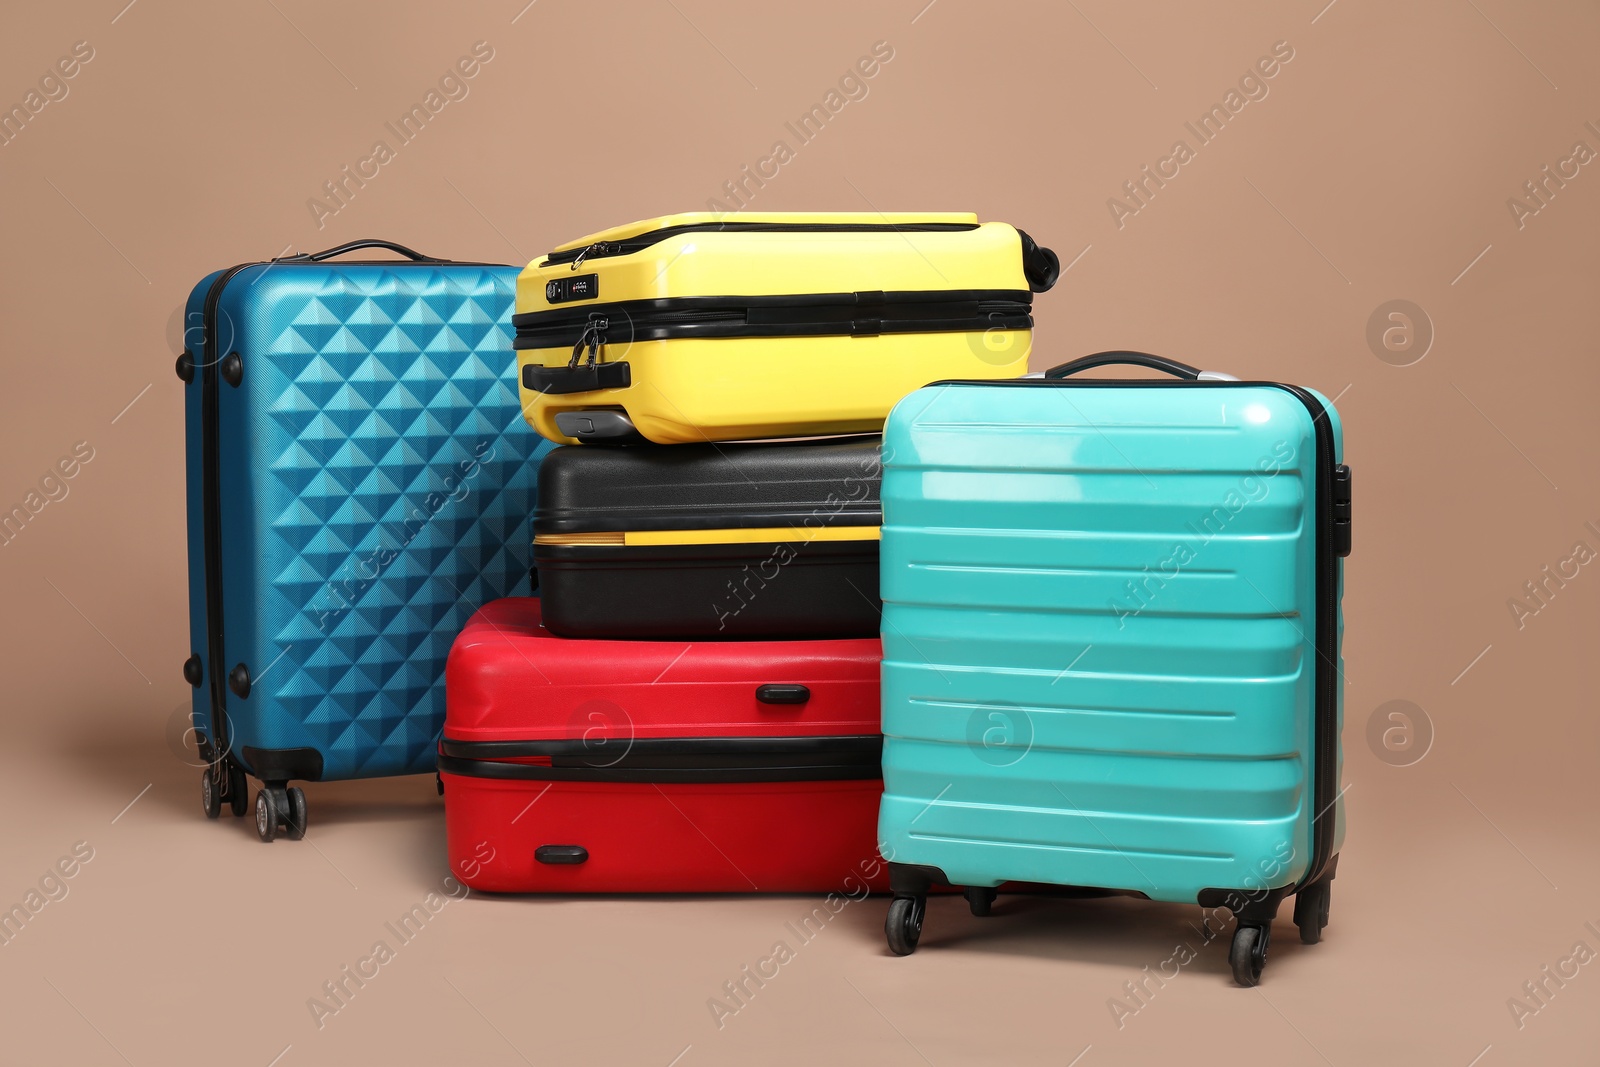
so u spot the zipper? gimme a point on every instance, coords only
(593, 334)
(669, 759)
(1325, 770)
(598, 248)
(211, 507)
(639, 242)
(809, 315)
(1325, 727)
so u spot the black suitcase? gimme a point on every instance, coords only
(771, 539)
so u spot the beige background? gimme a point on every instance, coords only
(1377, 168)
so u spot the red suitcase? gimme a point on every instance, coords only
(577, 765)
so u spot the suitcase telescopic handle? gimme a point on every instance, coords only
(1138, 359)
(356, 246)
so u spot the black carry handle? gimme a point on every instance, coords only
(356, 246)
(1039, 265)
(782, 694)
(1131, 359)
(587, 378)
(563, 855)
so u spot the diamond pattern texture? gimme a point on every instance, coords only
(391, 494)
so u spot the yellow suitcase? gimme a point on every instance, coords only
(702, 327)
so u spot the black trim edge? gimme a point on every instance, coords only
(570, 316)
(911, 880)
(211, 508)
(283, 764)
(627, 246)
(671, 759)
(533, 772)
(862, 314)
(1325, 768)
(714, 751)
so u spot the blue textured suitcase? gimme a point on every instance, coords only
(1111, 628)
(360, 481)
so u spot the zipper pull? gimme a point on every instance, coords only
(577, 349)
(598, 246)
(597, 337)
(593, 336)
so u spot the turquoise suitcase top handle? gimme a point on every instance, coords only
(1137, 359)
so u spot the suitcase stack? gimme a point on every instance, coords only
(692, 704)
(1110, 608)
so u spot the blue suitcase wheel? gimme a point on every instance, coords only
(903, 927)
(266, 814)
(295, 813)
(280, 810)
(238, 791)
(210, 795)
(1248, 954)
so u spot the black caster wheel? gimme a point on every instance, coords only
(438, 781)
(210, 797)
(1311, 911)
(903, 927)
(1248, 955)
(266, 814)
(295, 817)
(238, 791)
(980, 899)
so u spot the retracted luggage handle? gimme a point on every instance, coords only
(1138, 359)
(356, 246)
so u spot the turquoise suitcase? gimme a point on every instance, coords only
(1111, 631)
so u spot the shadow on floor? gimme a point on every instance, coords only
(123, 755)
(119, 757)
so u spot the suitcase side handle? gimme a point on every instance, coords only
(1137, 359)
(563, 855)
(561, 381)
(356, 246)
(782, 694)
(1040, 265)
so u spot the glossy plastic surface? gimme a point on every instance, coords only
(511, 680)
(1099, 625)
(688, 390)
(377, 487)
